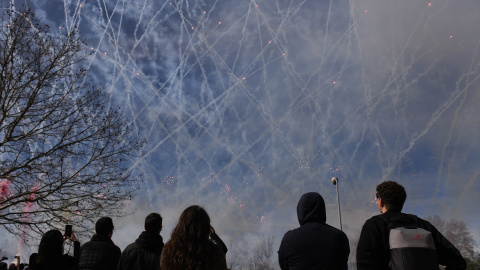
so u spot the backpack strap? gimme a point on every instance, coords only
(386, 220)
(389, 224)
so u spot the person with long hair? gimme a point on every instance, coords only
(50, 253)
(194, 245)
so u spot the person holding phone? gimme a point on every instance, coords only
(50, 253)
(68, 230)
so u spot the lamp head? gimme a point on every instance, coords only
(334, 180)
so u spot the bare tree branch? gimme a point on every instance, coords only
(63, 153)
(456, 231)
(257, 257)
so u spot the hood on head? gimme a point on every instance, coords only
(311, 207)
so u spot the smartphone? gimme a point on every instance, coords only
(68, 230)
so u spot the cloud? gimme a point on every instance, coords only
(247, 105)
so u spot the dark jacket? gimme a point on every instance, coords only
(314, 245)
(214, 238)
(99, 254)
(373, 250)
(143, 254)
(66, 262)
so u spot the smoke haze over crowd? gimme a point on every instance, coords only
(246, 105)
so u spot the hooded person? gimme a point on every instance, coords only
(315, 244)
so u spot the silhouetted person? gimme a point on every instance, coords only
(194, 244)
(100, 253)
(50, 253)
(373, 250)
(144, 253)
(315, 244)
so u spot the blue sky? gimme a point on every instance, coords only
(246, 105)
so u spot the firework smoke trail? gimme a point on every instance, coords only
(364, 94)
(4, 189)
(27, 211)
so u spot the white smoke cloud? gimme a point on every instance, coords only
(248, 105)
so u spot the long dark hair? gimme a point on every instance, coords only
(189, 246)
(51, 247)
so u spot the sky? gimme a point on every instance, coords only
(247, 105)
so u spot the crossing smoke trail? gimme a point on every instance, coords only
(246, 105)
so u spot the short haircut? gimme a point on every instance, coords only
(393, 195)
(104, 226)
(153, 223)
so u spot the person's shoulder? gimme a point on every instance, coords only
(111, 247)
(336, 233)
(375, 219)
(87, 245)
(405, 219)
(289, 235)
(100, 245)
(420, 219)
(107, 242)
(291, 232)
(117, 249)
(333, 229)
(92, 244)
(130, 247)
(376, 223)
(425, 224)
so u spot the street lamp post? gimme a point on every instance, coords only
(335, 182)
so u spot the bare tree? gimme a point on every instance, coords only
(257, 257)
(62, 150)
(456, 231)
(263, 254)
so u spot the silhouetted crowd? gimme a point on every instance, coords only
(193, 245)
(15, 265)
(391, 240)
